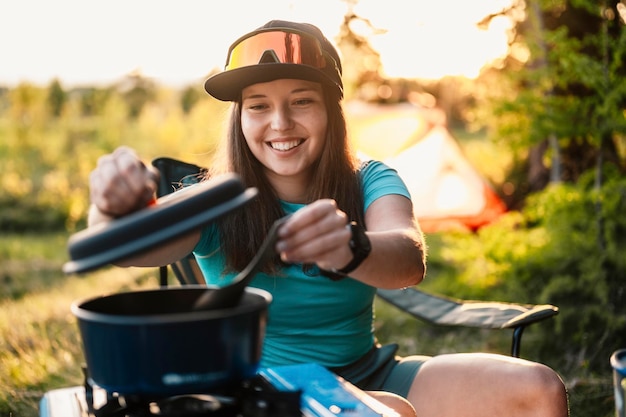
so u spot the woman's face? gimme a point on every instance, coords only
(284, 123)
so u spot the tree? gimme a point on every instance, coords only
(188, 99)
(137, 92)
(56, 98)
(362, 65)
(567, 89)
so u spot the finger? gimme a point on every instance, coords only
(326, 248)
(314, 235)
(314, 220)
(121, 183)
(310, 216)
(108, 191)
(138, 180)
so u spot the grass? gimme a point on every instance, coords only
(40, 347)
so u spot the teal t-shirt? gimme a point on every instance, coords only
(311, 319)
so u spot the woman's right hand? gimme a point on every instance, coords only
(120, 184)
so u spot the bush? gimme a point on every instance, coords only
(566, 247)
(23, 214)
(582, 269)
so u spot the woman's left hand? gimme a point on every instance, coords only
(316, 234)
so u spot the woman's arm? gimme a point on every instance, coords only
(165, 254)
(398, 256)
(318, 234)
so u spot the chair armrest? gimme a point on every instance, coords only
(447, 311)
(535, 314)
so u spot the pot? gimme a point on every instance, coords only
(154, 343)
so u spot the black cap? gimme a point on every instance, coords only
(227, 85)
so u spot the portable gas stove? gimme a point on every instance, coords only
(307, 390)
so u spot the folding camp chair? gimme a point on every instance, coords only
(437, 310)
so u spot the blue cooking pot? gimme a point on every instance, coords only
(154, 343)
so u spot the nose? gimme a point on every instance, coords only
(281, 119)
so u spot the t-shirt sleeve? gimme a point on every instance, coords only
(378, 180)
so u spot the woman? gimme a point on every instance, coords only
(351, 230)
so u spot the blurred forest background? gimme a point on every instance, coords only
(546, 125)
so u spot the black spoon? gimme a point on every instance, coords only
(229, 295)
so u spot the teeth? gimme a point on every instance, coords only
(284, 146)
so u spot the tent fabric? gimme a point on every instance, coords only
(447, 191)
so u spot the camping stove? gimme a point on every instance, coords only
(252, 398)
(307, 390)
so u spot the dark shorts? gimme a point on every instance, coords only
(381, 370)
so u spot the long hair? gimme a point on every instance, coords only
(335, 175)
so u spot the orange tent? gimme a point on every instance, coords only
(447, 191)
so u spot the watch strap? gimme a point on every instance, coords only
(360, 247)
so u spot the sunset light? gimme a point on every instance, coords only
(180, 42)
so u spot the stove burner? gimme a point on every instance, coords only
(254, 398)
(195, 404)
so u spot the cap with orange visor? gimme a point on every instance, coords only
(278, 49)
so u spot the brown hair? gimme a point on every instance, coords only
(335, 176)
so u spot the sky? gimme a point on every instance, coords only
(179, 42)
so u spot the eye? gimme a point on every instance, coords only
(303, 101)
(256, 106)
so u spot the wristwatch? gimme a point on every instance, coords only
(360, 247)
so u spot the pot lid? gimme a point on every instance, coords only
(173, 215)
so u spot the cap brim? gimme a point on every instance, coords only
(227, 85)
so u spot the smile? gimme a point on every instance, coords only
(286, 146)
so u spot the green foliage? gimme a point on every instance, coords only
(40, 347)
(567, 85)
(586, 253)
(50, 139)
(565, 248)
(56, 98)
(138, 93)
(189, 98)
(27, 214)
